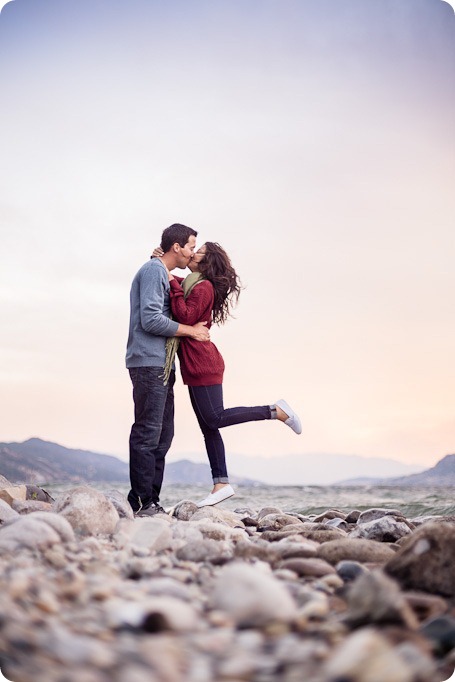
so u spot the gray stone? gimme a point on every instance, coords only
(350, 570)
(268, 510)
(321, 535)
(6, 512)
(251, 596)
(330, 514)
(426, 559)
(355, 550)
(375, 598)
(377, 513)
(218, 516)
(57, 523)
(366, 656)
(29, 532)
(353, 516)
(184, 510)
(88, 511)
(154, 533)
(31, 506)
(288, 548)
(120, 503)
(34, 492)
(313, 567)
(275, 521)
(441, 632)
(183, 532)
(384, 529)
(337, 523)
(213, 551)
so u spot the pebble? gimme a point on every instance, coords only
(91, 594)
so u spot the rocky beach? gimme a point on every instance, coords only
(91, 594)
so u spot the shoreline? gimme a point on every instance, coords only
(252, 593)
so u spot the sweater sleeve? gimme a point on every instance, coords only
(192, 309)
(152, 293)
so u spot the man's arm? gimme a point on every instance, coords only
(199, 331)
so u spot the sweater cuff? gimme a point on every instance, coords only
(175, 286)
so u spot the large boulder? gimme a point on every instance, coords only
(426, 560)
(88, 511)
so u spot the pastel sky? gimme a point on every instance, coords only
(314, 139)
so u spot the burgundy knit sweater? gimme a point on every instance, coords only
(201, 363)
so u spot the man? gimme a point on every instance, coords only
(150, 325)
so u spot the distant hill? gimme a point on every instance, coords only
(441, 475)
(39, 462)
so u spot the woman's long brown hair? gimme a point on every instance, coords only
(216, 266)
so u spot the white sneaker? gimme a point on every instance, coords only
(293, 420)
(214, 498)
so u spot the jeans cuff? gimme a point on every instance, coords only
(273, 412)
(221, 479)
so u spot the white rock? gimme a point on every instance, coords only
(219, 516)
(384, 529)
(88, 511)
(6, 512)
(154, 534)
(366, 656)
(27, 531)
(251, 596)
(58, 523)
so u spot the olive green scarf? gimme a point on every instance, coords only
(172, 342)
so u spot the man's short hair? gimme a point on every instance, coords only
(176, 233)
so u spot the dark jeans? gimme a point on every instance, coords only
(208, 406)
(151, 434)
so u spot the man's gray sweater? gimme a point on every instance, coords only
(150, 313)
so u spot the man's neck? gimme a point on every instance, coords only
(169, 261)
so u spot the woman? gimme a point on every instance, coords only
(207, 295)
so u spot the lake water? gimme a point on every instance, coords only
(411, 502)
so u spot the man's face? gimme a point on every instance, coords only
(196, 259)
(185, 252)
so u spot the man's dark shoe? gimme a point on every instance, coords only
(151, 510)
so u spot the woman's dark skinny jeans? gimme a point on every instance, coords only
(208, 406)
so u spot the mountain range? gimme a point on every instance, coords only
(441, 475)
(39, 462)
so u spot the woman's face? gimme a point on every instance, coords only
(196, 259)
